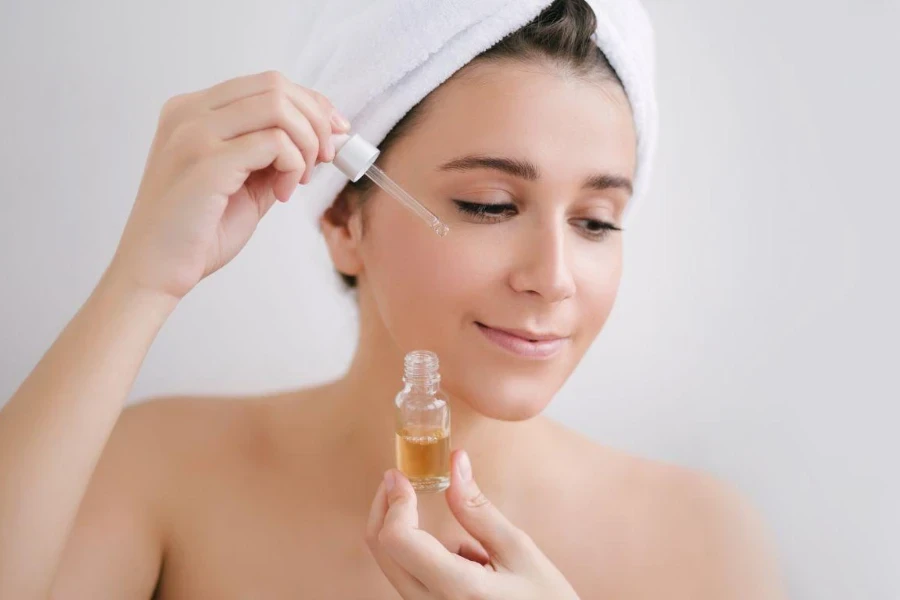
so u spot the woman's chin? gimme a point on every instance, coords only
(507, 399)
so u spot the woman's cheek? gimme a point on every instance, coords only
(468, 259)
(597, 283)
(471, 261)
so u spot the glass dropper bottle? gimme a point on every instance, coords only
(355, 157)
(422, 432)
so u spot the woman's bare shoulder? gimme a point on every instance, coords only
(181, 431)
(159, 453)
(191, 421)
(215, 434)
(686, 525)
(643, 480)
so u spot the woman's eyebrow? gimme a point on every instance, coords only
(608, 181)
(516, 167)
(528, 171)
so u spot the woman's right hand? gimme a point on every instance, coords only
(501, 561)
(219, 160)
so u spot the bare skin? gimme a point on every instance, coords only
(268, 497)
(276, 496)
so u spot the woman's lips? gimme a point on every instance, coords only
(522, 343)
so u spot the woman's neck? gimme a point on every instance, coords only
(360, 410)
(363, 400)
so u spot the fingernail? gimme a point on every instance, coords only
(464, 466)
(339, 120)
(389, 480)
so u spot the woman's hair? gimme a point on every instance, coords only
(561, 35)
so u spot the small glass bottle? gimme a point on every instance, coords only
(422, 435)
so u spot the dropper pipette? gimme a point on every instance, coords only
(355, 157)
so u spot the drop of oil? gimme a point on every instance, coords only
(440, 229)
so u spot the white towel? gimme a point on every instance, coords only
(379, 62)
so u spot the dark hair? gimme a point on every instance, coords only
(562, 33)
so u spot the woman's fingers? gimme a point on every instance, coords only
(318, 117)
(265, 111)
(232, 161)
(376, 515)
(321, 113)
(228, 91)
(507, 545)
(410, 556)
(415, 551)
(253, 103)
(285, 184)
(408, 586)
(473, 551)
(339, 122)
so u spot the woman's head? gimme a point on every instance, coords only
(527, 153)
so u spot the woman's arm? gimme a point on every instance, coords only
(220, 159)
(54, 428)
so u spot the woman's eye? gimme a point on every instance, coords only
(486, 212)
(596, 229)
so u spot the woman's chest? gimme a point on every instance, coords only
(263, 531)
(270, 557)
(270, 539)
(273, 556)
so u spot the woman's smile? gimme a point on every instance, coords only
(524, 343)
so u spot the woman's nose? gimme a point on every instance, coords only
(543, 267)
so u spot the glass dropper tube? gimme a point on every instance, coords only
(356, 157)
(387, 184)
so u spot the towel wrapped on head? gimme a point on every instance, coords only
(380, 61)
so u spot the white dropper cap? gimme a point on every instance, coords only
(353, 155)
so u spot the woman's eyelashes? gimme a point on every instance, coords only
(595, 229)
(486, 211)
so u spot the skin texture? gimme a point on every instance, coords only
(286, 495)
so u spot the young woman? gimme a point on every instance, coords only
(292, 495)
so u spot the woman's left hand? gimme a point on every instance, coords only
(508, 565)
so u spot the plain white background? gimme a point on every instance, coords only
(756, 331)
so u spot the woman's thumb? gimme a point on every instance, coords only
(505, 543)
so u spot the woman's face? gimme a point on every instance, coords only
(528, 166)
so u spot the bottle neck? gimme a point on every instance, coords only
(420, 371)
(423, 385)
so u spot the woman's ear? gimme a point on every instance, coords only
(342, 228)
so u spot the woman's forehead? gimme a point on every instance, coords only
(526, 112)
